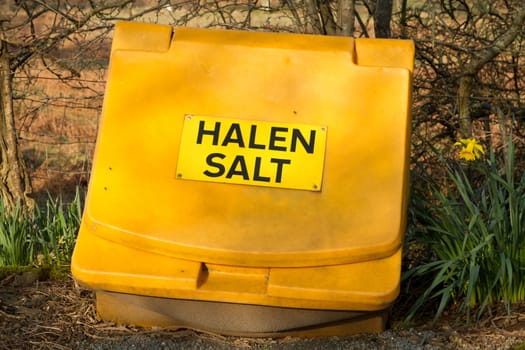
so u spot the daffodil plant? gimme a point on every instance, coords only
(474, 227)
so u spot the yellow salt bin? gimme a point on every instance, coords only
(248, 183)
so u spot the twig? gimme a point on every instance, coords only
(49, 327)
(94, 336)
(9, 315)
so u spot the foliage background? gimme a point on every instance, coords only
(58, 92)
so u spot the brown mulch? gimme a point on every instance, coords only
(60, 314)
(45, 315)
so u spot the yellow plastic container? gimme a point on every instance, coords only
(260, 175)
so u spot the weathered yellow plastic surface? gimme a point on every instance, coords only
(149, 229)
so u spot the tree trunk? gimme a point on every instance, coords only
(464, 92)
(320, 17)
(345, 17)
(474, 66)
(312, 16)
(329, 25)
(15, 185)
(403, 20)
(382, 18)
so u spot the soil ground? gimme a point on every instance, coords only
(59, 314)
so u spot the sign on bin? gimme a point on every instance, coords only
(252, 152)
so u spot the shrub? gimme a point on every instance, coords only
(473, 225)
(44, 235)
(59, 225)
(16, 232)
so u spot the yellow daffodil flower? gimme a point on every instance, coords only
(470, 150)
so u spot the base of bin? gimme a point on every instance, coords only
(235, 319)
